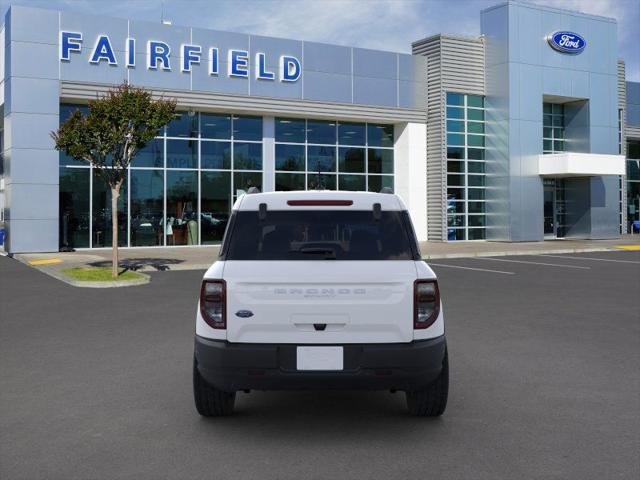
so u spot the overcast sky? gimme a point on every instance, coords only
(379, 24)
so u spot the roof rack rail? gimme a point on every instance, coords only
(386, 190)
(253, 190)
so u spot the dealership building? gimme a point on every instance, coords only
(525, 133)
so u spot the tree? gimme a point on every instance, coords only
(117, 126)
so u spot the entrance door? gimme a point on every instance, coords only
(554, 208)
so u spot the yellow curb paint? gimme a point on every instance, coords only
(47, 261)
(628, 247)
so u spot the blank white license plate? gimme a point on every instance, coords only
(320, 358)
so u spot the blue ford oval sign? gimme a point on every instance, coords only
(567, 42)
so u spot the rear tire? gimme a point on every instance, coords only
(211, 402)
(432, 401)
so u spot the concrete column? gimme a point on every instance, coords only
(268, 154)
(410, 167)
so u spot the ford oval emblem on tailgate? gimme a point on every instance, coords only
(244, 313)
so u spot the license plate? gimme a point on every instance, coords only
(320, 358)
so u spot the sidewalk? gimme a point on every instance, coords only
(200, 258)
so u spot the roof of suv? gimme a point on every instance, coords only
(319, 199)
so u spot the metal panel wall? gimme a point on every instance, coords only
(454, 64)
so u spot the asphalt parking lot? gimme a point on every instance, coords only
(544, 354)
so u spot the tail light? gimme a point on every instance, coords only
(426, 303)
(213, 303)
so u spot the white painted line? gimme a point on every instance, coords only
(531, 263)
(591, 258)
(469, 268)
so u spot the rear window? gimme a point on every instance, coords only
(320, 235)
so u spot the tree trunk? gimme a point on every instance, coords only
(115, 193)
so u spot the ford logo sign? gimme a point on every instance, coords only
(567, 42)
(244, 313)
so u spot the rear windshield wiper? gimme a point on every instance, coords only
(330, 253)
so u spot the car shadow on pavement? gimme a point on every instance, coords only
(159, 264)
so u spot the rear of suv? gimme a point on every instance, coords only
(320, 290)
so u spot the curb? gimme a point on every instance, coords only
(86, 284)
(518, 252)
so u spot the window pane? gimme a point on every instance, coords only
(321, 159)
(455, 234)
(380, 161)
(182, 153)
(380, 135)
(455, 194)
(247, 156)
(633, 149)
(455, 221)
(558, 133)
(476, 193)
(455, 180)
(351, 160)
(319, 131)
(454, 112)
(455, 126)
(215, 126)
(152, 155)
(321, 182)
(455, 167)
(102, 229)
(290, 130)
(557, 108)
(477, 220)
(547, 145)
(289, 181)
(215, 204)
(547, 132)
(475, 153)
(243, 181)
(476, 180)
(476, 207)
(475, 140)
(476, 167)
(475, 101)
(455, 207)
(66, 109)
(182, 207)
(473, 114)
(475, 127)
(558, 121)
(247, 128)
(547, 120)
(74, 207)
(558, 145)
(147, 187)
(290, 157)
(476, 234)
(633, 169)
(351, 133)
(215, 155)
(67, 160)
(183, 125)
(378, 182)
(455, 152)
(546, 108)
(352, 182)
(455, 98)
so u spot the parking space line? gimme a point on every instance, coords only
(531, 263)
(470, 268)
(591, 258)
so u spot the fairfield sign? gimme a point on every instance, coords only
(159, 56)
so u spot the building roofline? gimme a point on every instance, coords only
(430, 38)
(521, 3)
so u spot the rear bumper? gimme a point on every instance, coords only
(253, 366)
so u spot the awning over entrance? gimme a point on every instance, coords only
(573, 164)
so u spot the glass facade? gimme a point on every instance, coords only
(552, 128)
(466, 213)
(633, 185)
(179, 189)
(333, 155)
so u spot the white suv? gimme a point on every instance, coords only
(320, 290)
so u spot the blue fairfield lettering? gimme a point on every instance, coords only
(261, 68)
(103, 51)
(290, 70)
(238, 63)
(190, 55)
(158, 52)
(69, 42)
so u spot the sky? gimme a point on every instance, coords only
(378, 24)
